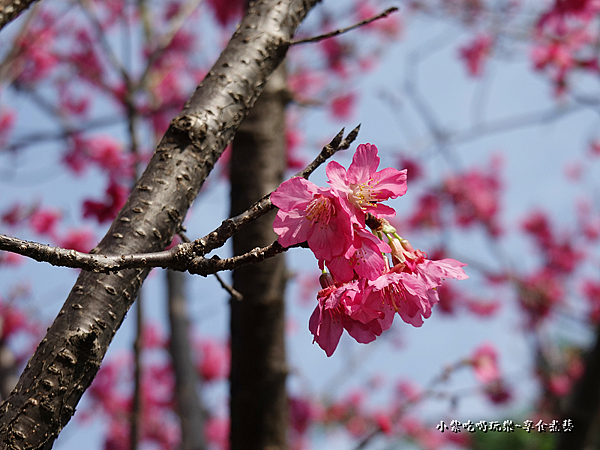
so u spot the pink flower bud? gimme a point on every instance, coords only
(397, 252)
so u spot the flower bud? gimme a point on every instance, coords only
(397, 251)
(409, 248)
(326, 280)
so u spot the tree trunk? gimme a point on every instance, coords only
(584, 405)
(258, 401)
(187, 382)
(67, 359)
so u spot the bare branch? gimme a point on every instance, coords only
(165, 40)
(203, 266)
(230, 290)
(230, 226)
(135, 419)
(321, 37)
(78, 260)
(188, 256)
(180, 258)
(191, 411)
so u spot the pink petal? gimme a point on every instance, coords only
(391, 182)
(294, 193)
(328, 332)
(364, 164)
(369, 262)
(362, 333)
(380, 210)
(291, 227)
(326, 241)
(337, 177)
(341, 269)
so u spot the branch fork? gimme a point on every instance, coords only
(187, 256)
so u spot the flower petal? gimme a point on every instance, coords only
(364, 164)
(294, 193)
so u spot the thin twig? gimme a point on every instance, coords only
(7, 69)
(228, 227)
(88, 10)
(386, 13)
(165, 40)
(234, 293)
(429, 392)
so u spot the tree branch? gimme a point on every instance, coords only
(68, 358)
(186, 256)
(181, 258)
(321, 37)
(228, 227)
(190, 409)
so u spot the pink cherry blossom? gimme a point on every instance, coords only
(404, 294)
(293, 140)
(15, 214)
(333, 314)
(497, 392)
(217, 432)
(313, 214)
(341, 106)
(336, 55)
(11, 259)
(301, 414)
(485, 364)
(362, 188)
(539, 293)
(362, 258)
(428, 212)
(226, 11)
(361, 294)
(475, 53)
(409, 288)
(475, 197)
(414, 169)
(109, 155)
(214, 364)
(7, 122)
(389, 27)
(482, 308)
(591, 290)
(80, 240)
(44, 220)
(107, 210)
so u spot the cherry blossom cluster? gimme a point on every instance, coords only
(109, 394)
(362, 290)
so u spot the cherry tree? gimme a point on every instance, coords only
(67, 66)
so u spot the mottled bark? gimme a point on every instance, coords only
(583, 407)
(258, 399)
(11, 9)
(187, 382)
(68, 357)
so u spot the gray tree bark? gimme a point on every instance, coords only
(187, 382)
(258, 401)
(68, 358)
